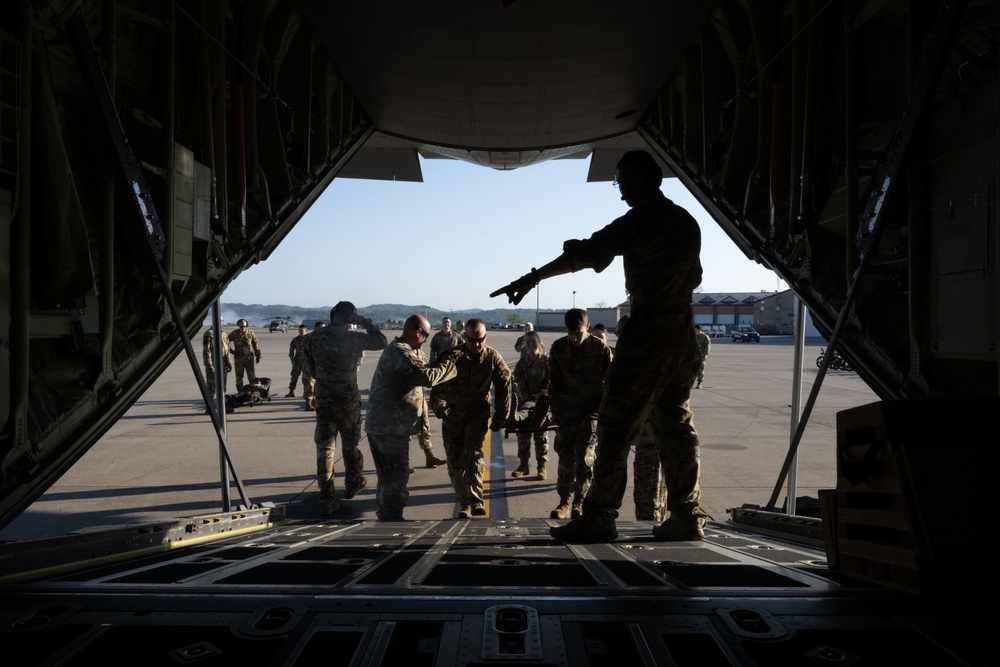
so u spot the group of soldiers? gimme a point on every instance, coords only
(603, 401)
(239, 350)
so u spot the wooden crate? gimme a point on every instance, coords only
(905, 470)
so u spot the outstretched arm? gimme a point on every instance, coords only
(517, 290)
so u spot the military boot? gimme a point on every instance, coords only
(291, 393)
(587, 529)
(328, 507)
(433, 461)
(522, 470)
(687, 524)
(562, 511)
(541, 470)
(351, 490)
(310, 404)
(577, 507)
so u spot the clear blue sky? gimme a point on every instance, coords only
(462, 233)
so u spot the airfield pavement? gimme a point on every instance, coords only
(162, 460)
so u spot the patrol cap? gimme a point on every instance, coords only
(342, 311)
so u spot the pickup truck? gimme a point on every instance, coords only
(745, 333)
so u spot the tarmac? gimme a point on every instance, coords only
(162, 460)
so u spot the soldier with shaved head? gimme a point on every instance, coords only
(395, 411)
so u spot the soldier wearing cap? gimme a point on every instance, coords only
(332, 355)
(246, 350)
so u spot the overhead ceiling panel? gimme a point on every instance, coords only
(492, 75)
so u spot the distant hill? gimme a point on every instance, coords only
(261, 315)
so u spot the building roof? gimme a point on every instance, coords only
(723, 298)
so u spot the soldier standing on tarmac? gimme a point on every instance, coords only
(531, 382)
(295, 355)
(208, 357)
(445, 339)
(246, 349)
(704, 346)
(308, 381)
(519, 343)
(331, 356)
(578, 363)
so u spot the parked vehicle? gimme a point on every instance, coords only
(715, 330)
(278, 325)
(745, 333)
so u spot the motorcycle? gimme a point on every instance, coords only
(837, 362)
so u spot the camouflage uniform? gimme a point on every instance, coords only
(442, 342)
(331, 355)
(208, 357)
(656, 355)
(575, 391)
(395, 406)
(704, 345)
(649, 490)
(245, 349)
(295, 354)
(530, 378)
(464, 405)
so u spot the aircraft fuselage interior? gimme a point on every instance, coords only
(152, 151)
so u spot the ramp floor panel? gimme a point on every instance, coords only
(477, 593)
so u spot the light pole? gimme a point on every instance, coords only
(574, 298)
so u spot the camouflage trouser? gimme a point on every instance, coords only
(296, 369)
(391, 454)
(649, 491)
(424, 438)
(648, 379)
(575, 444)
(337, 414)
(701, 370)
(308, 385)
(210, 380)
(244, 363)
(524, 439)
(463, 434)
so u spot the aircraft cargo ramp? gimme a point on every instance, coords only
(480, 592)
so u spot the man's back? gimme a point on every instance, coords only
(577, 373)
(333, 354)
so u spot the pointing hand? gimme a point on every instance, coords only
(516, 290)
